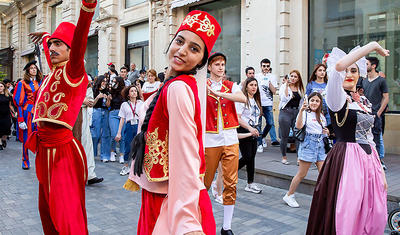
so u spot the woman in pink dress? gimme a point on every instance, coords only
(168, 152)
(350, 195)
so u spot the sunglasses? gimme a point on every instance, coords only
(265, 65)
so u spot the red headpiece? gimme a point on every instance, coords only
(204, 25)
(64, 32)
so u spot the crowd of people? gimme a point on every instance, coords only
(152, 124)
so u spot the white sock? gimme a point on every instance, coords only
(228, 214)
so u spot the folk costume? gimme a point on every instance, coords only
(60, 161)
(175, 201)
(24, 100)
(350, 197)
(221, 143)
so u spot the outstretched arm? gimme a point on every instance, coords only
(353, 56)
(75, 66)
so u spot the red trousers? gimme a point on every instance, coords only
(151, 206)
(62, 173)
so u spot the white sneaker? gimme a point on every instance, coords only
(124, 170)
(121, 159)
(219, 200)
(285, 162)
(112, 157)
(214, 189)
(260, 149)
(253, 188)
(264, 143)
(290, 200)
(104, 160)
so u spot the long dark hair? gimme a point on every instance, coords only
(139, 142)
(313, 76)
(121, 85)
(27, 76)
(98, 82)
(256, 95)
(319, 109)
(299, 83)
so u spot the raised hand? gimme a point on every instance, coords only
(36, 36)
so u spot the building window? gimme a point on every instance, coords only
(348, 23)
(138, 45)
(131, 3)
(91, 56)
(227, 13)
(56, 15)
(31, 26)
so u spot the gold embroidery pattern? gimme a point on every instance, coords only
(88, 9)
(53, 86)
(46, 97)
(59, 107)
(158, 154)
(57, 97)
(57, 76)
(204, 25)
(41, 109)
(69, 82)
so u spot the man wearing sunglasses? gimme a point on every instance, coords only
(268, 85)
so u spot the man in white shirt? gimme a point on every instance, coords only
(221, 141)
(268, 84)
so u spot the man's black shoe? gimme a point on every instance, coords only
(95, 180)
(275, 143)
(25, 168)
(226, 232)
(4, 143)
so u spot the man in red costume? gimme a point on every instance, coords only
(60, 161)
(221, 141)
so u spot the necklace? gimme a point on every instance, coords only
(341, 123)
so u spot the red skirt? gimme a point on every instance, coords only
(151, 206)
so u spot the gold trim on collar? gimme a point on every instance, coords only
(59, 64)
(88, 9)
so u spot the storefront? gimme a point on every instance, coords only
(346, 24)
(228, 14)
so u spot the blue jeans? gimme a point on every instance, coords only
(381, 147)
(129, 134)
(312, 148)
(100, 129)
(114, 125)
(270, 126)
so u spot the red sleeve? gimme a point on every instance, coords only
(75, 66)
(46, 49)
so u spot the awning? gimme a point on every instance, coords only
(180, 3)
(28, 51)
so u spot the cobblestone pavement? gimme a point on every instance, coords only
(113, 210)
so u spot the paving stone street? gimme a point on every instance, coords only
(113, 210)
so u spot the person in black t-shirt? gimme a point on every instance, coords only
(376, 90)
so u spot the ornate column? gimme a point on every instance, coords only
(284, 37)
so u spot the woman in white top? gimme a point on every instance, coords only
(153, 83)
(249, 116)
(312, 149)
(128, 123)
(290, 94)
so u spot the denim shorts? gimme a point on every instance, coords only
(312, 148)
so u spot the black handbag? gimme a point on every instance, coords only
(300, 134)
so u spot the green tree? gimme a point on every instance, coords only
(2, 74)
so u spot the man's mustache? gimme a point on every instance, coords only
(53, 53)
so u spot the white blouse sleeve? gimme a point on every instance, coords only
(335, 94)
